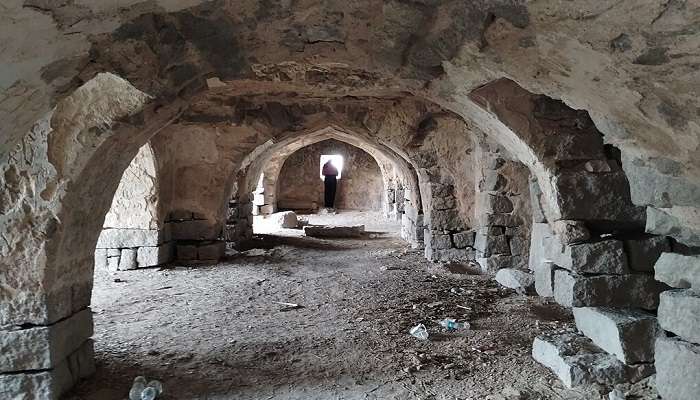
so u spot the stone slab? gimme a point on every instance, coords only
(577, 361)
(633, 290)
(677, 369)
(678, 271)
(329, 231)
(44, 347)
(628, 334)
(679, 313)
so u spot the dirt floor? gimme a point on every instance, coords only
(220, 332)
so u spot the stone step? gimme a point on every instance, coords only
(628, 334)
(577, 361)
(679, 312)
(677, 369)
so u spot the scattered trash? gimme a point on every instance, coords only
(389, 268)
(140, 390)
(256, 253)
(451, 324)
(373, 235)
(420, 332)
(289, 306)
(434, 304)
(117, 280)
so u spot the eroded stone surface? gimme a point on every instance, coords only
(679, 271)
(677, 372)
(679, 312)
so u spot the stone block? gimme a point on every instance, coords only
(114, 252)
(186, 252)
(285, 219)
(211, 251)
(577, 361)
(446, 220)
(443, 203)
(113, 263)
(493, 264)
(44, 347)
(518, 245)
(681, 223)
(493, 203)
(602, 257)
(679, 312)
(569, 231)
(152, 256)
(492, 182)
(488, 219)
(259, 199)
(628, 334)
(544, 279)
(329, 231)
(539, 233)
(491, 245)
(436, 240)
(523, 282)
(200, 229)
(127, 260)
(100, 259)
(678, 271)
(677, 369)
(642, 253)
(267, 209)
(51, 384)
(114, 238)
(464, 239)
(625, 291)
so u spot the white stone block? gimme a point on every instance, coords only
(627, 333)
(677, 369)
(679, 312)
(678, 271)
(152, 256)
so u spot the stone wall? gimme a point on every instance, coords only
(300, 187)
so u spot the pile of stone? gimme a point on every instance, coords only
(609, 283)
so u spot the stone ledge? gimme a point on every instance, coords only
(634, 290)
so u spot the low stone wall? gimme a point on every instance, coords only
(124, 249)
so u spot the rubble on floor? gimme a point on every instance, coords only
(330, 231)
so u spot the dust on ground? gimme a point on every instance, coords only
(220, 332)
